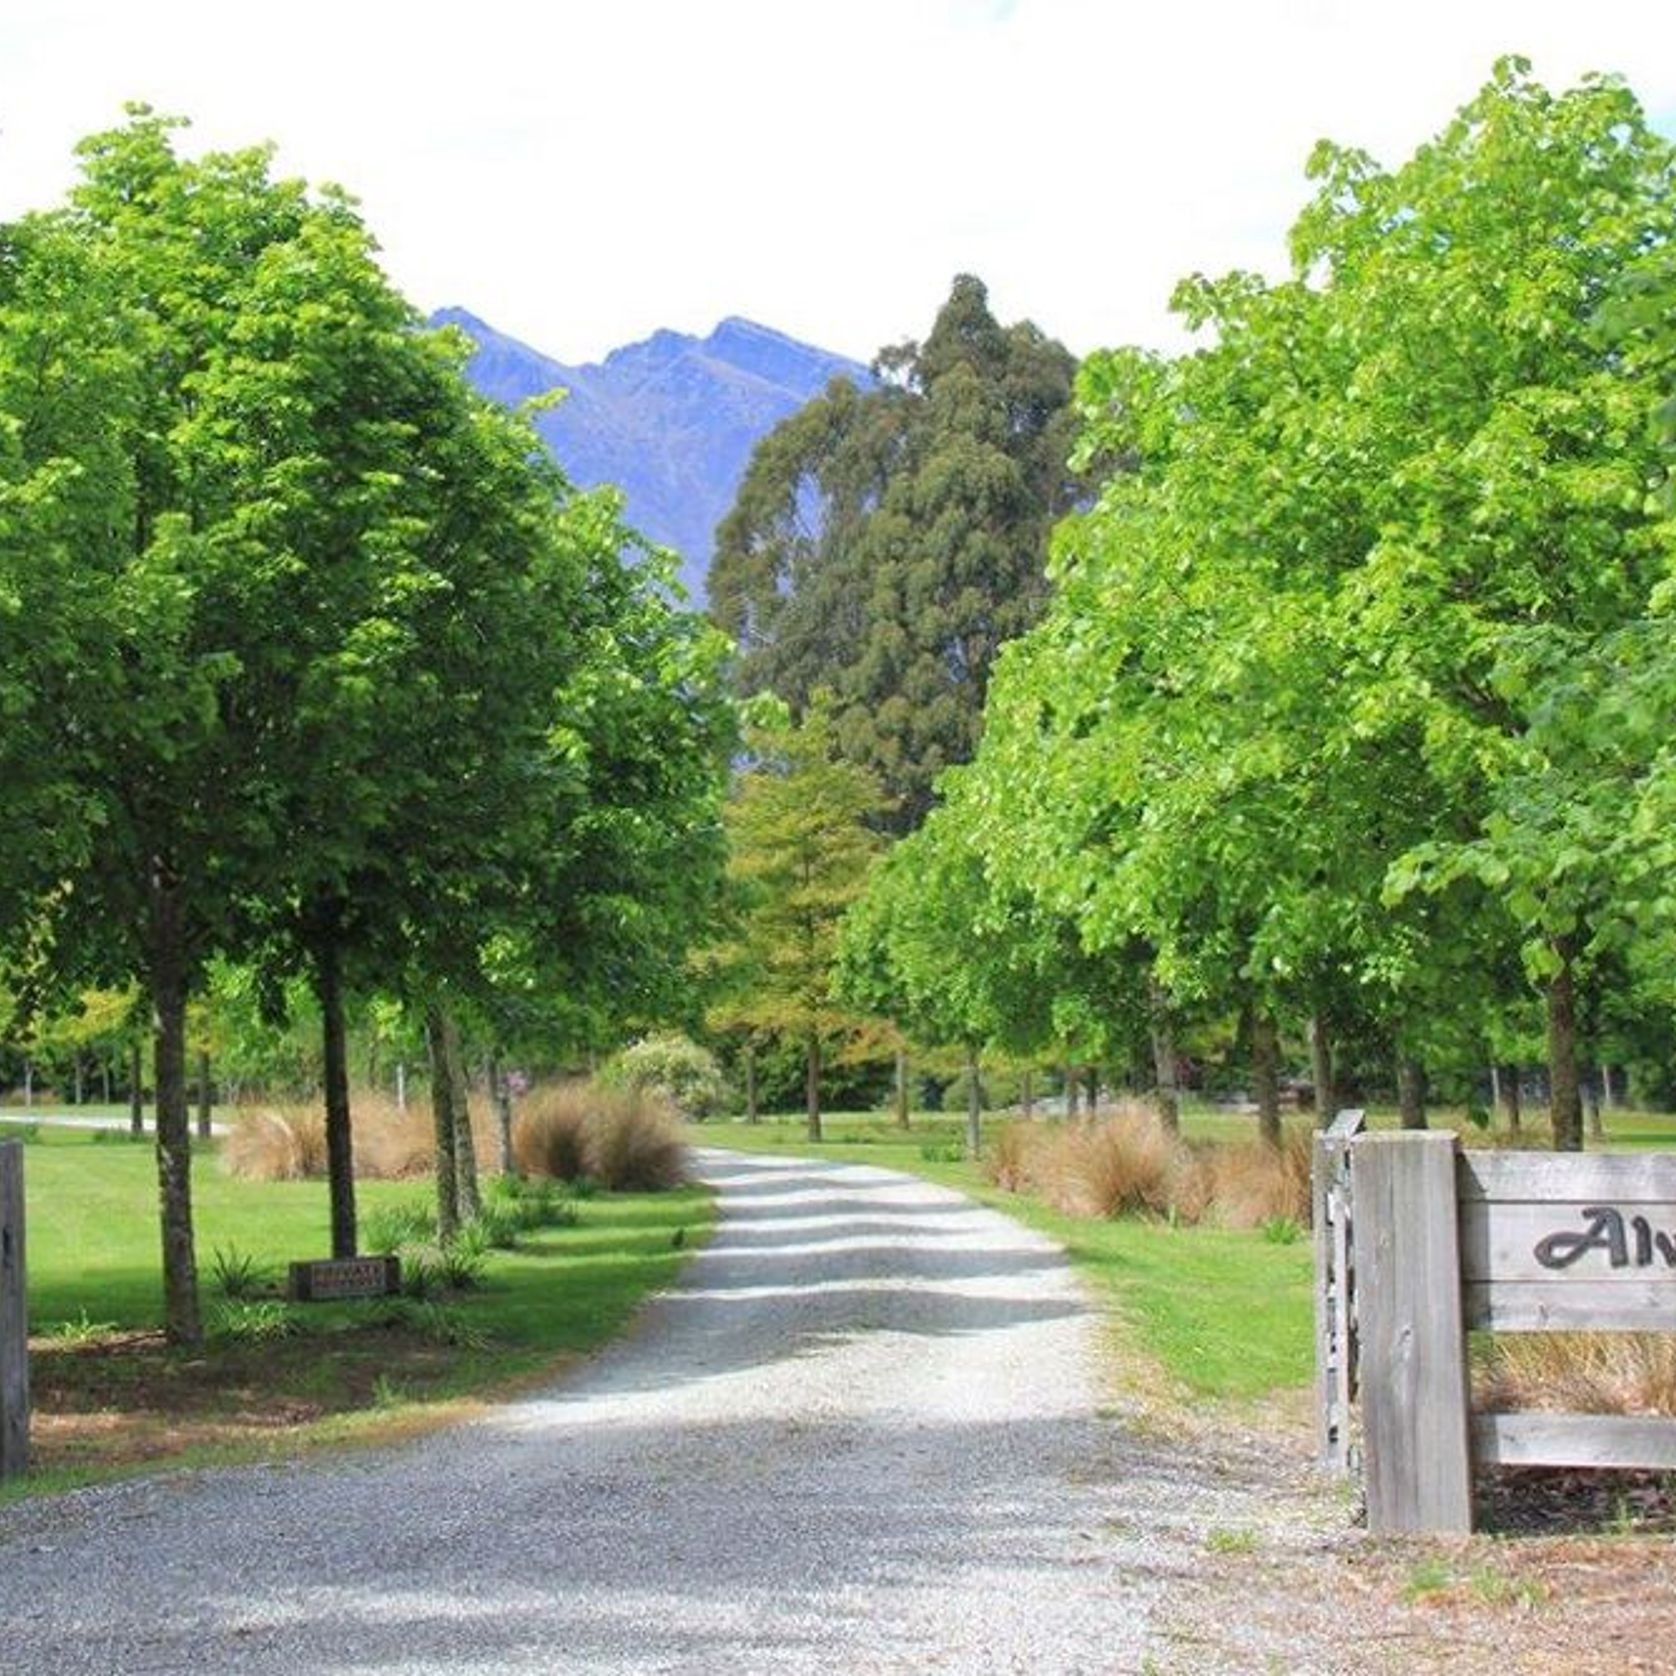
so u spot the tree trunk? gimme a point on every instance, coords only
(77, 1081)
(1565, 1104)
(340, 1145)
(1608, 1089)
(974, 1102)
(401, 1086)
(442, 1124)
(752, 1115)
(136, 1088)
(1026, 1093)
(105, 1080)
(1070, 1090)
(470, 1200)
(1507, 1097)
(1411, 1092)
(28, 1085)
(1591, 1102)
(1091, 1085)
(901, 1088)
(500, 1091)
(1321, 1070)
(1163, 1033)
(167, 975)
(812, 1086)
(1265, 1074)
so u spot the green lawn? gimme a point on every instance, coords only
(95, 1303)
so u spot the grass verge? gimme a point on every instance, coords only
(109, 1396)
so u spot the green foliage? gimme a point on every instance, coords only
(1347, 704)
(81, 1329)
(885, 544)
(309, 657)
(239, 1275)
(429, 1269)
(431, 1319)
(801, 844)
(389, 1228)
(537, 1203)
(245, 1320)
(674, 1067)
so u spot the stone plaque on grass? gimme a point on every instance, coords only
(333, 1279)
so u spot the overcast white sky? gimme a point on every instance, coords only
(580, 172)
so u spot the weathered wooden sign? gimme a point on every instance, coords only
(1445, 1241)
(14, 1317)
(331, 1280)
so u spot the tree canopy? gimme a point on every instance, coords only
(321, 662)
(885, 543)
(1321, 713)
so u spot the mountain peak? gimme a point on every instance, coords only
(671, 419)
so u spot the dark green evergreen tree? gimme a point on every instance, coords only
(886, 542)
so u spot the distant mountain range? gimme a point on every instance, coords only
(671, 420)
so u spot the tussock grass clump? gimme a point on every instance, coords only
(547, 1132)
(620, 1139)
(624, 1140)
(288, 1142)
(1124, 1164)
(1250, 1184)
(1583, 1373)
(1128, 1164)
(276, 1143)
(1121, 1166)
(1008, 1162)
(635, 1146)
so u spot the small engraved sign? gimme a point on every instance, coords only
(332, 1279)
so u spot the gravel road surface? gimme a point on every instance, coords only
(861, 1436)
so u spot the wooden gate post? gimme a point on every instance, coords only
(1335, 1291)
(1412, 1340)
(14, 1317)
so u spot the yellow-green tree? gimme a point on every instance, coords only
(801, 839)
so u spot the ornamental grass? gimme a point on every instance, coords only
(1129, 1164)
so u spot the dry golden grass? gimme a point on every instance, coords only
(276, 1143)
(1129, 1164)
(1123, 1164)
(1248, 1183)
(286, 1142)
(1583, 1373)
(634, 1145)
(1008, 1161)
(623, 1139)
(547, 1132)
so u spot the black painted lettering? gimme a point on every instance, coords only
(1605, 1232)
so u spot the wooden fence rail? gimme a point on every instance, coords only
(1442, 1241)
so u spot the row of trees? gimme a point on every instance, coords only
(1351, 709)
(885, 544)
(309, 659)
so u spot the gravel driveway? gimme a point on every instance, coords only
(860, 1437)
